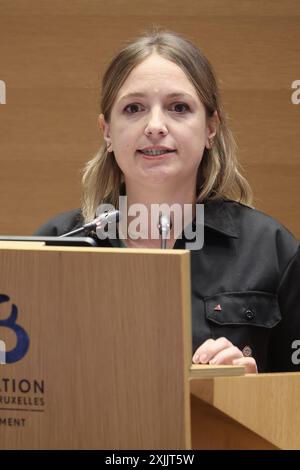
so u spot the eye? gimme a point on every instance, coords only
(181, 107)
(132, 108)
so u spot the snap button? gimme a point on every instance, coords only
(247, 351)
(249, 314)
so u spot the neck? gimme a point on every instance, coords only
(183, 193)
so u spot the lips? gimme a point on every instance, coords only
(162, 156)
(159, 156)
(156, 149)
(156, 152)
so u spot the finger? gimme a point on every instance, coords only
(248, 362)
(200, 352)
(209, 349)
(226, 356)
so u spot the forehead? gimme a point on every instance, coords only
(157, 74)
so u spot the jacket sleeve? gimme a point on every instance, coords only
(284, 351)
(61, 224)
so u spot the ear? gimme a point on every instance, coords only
(105, 127)
(211, 129)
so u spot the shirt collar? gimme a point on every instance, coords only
(218, 217)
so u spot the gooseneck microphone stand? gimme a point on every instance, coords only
(98, 223)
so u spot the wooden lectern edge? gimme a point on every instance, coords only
(40, 246)
(198, 386)
(208, 371)
(187, 344)
(15, 245)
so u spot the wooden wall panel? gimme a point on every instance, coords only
(52, 55)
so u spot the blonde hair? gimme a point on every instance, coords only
(218, 174)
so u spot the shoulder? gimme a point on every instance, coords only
(61, 223)
(262, 231)
(254, 219)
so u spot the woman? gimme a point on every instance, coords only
(167, 141)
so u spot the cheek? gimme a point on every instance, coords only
(195, 130)
(123, 137)
(195, 141)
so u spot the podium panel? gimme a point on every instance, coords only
(98, 348)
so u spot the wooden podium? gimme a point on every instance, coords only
(98, 343)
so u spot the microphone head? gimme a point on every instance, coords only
(165, 223)
(107, 217)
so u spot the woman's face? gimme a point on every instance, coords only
(157, 109)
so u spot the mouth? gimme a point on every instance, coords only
(157, 154)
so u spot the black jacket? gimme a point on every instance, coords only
(245, 282)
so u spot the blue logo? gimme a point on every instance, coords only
(22, 345)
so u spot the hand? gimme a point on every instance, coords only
(222, 351)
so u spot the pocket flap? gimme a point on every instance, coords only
(249, 308)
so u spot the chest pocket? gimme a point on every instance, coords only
(251, 308)
(246, 319)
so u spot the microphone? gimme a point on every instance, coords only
(100, 222)
(164, 226)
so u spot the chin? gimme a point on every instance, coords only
(158, 176)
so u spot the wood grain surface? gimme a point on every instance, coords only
(52, 58)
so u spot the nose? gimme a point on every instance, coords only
(156, 124)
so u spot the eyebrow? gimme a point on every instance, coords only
(176, 94)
